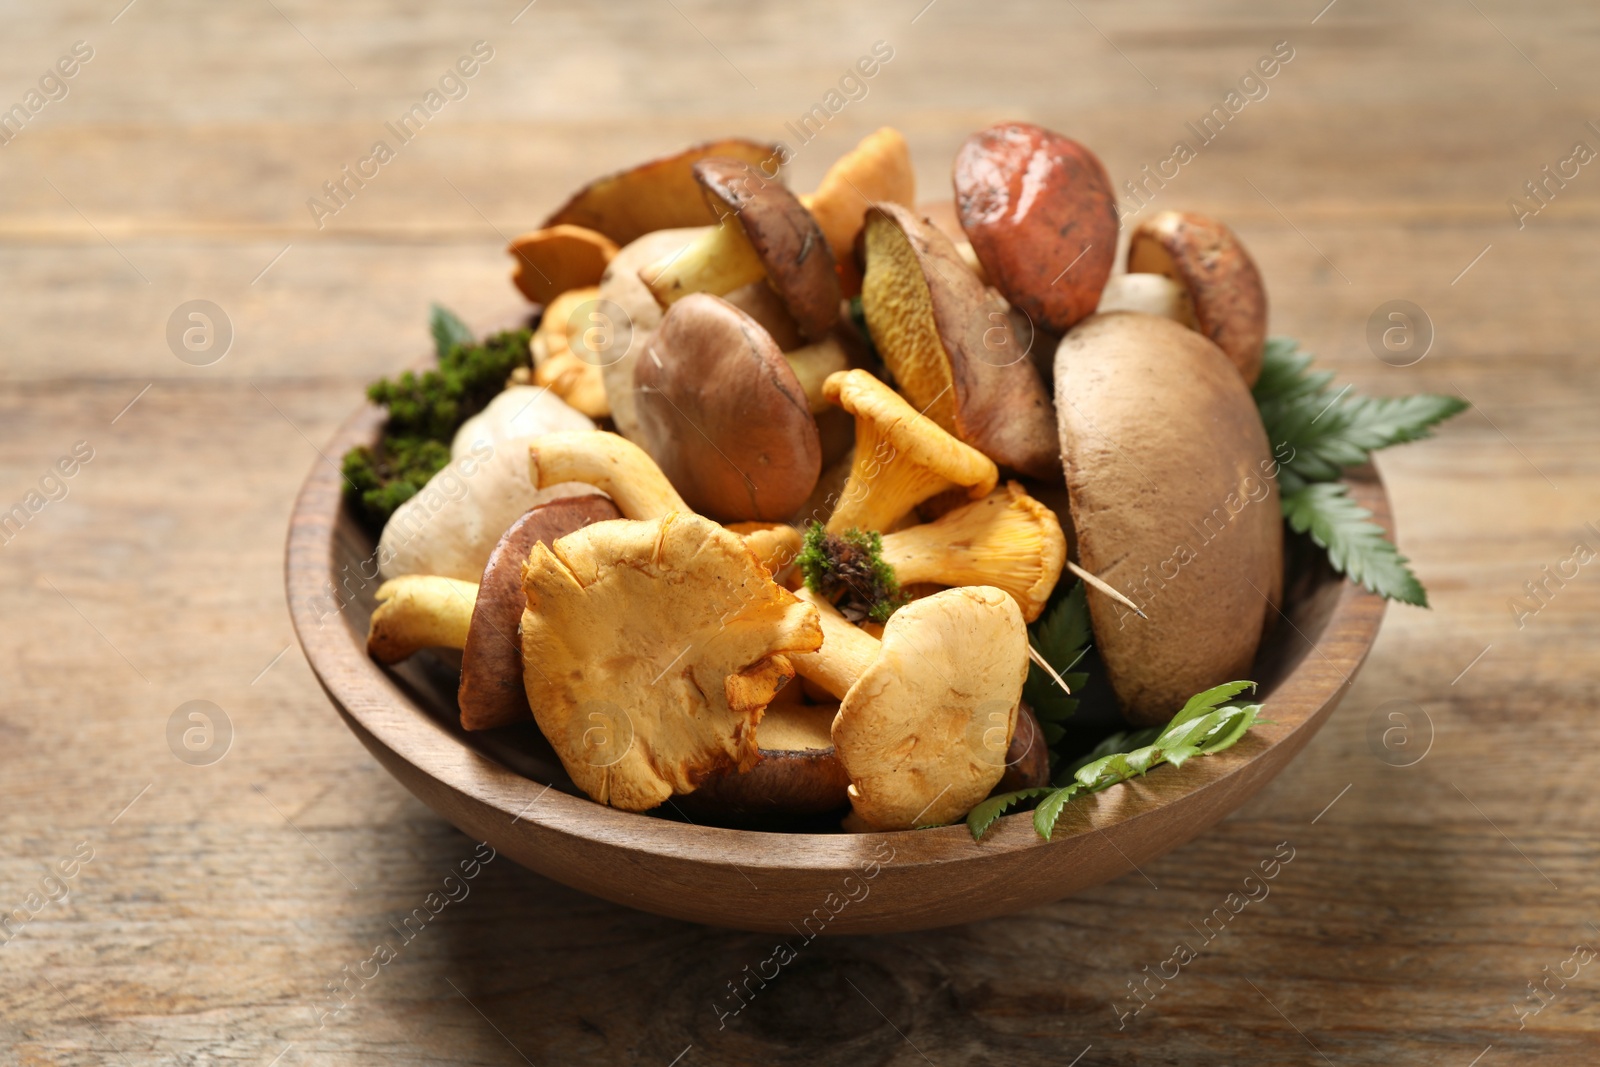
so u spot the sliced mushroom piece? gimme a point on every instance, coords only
(764, 232)
(1223, 286)
(492, 693)
(1007, 540)
(927, 714)
(901, 458)
(553, 260)
(1173, 503)
(652, 649)
(1042, 217)
(659, 195)
(951, 346)
(723, 414)
(418, 611)
(878, 170)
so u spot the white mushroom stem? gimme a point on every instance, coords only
(846, 652)
(420, 611)
(719, 261)
(812, 365)
(614, 465)
(1153, 294)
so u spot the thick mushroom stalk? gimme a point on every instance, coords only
(1007, 540)
(612, 464)
(928, 713)
(418, 611)
(765, 232)
(901, 457)
(651, 651)
(1153, 294)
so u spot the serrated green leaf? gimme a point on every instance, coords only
(980, 818)
(447, 328)
(1356, 546)
(1061, 635)
(1049, 810)
(1201, 703)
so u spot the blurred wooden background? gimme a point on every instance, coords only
(222, 899)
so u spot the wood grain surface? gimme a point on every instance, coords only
(221, 900)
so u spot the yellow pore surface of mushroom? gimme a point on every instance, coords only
(1007, 540)
(420, 611)
(901, 457)
(923, 733)
(614, 465)
(899, 313)
(651, 649)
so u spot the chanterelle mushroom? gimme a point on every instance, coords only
(612, 464)
(723, 414)
(551, 261)
(926, 716)
(877, 170)
(418, 611)
(651, 649)
(1223, 286)
(901, 459)
(951, 346)
(765, 233)
(1007, 540)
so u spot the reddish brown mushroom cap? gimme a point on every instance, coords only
(800, 266)
(1042, 218)
(492, 692)
(1224, 286)
(723, 415)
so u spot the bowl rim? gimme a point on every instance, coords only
(381, 712)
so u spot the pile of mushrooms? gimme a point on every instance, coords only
(615, 554)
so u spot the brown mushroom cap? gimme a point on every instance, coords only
(1042, 217)
(551, 261)
(659, 195)
(800, 266)
(492, 693)
(1204, 256)
(1028, 758)
(950, 344)
(798, 774)
(1170, 477)
(651, 649)
(723, 414)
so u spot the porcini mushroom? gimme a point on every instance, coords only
(1220, 279)
(1007, 540)
(764, 232)
(1042, 218)
(723, 415)
(491, 692)
(558, 258)
(659, 195)
(1153, 294)
(1173, 502)
(901, 458)
(651, 650)
(877, 170)
(951, 346)
(418, 611)
(927, 714)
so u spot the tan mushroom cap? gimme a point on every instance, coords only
(876, 170)
(551, 261)
(1173, 502)
(1224, 287)
(491, 692)
(1042, 217)
(951, 345)
(1007, 540)
(651, 650)
(659, 195)
(901, 459)
(924, 732)
(723, 415)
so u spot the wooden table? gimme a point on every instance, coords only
(222, 899)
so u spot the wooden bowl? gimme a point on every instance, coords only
(507, 788)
